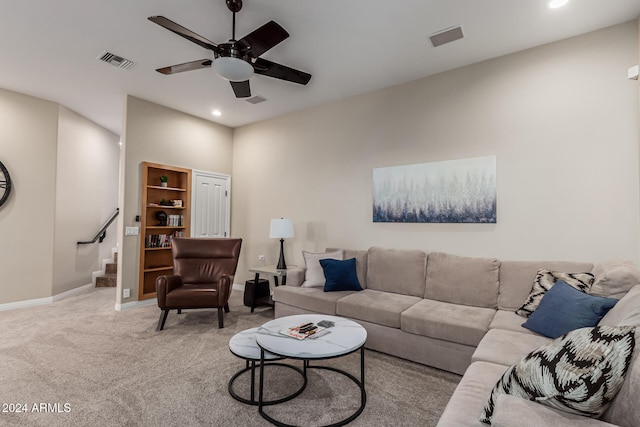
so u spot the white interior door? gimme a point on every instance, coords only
(210, 205)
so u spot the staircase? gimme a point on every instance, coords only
(110, 270)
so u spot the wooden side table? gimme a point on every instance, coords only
(252, 291)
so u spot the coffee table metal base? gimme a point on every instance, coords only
(358, 382)
(251, 367)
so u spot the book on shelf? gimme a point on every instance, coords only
(305, 330)
(161, 240)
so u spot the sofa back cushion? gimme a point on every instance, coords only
(397, 270)
(614, 278)
(624, 410)
(517, 277)
(361, 263)
(462, 280)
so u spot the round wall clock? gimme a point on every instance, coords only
(5, 184)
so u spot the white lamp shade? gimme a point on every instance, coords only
(232, 69)
(281, 228)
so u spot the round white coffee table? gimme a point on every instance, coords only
(345, 337)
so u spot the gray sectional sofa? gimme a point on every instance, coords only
(458, 314)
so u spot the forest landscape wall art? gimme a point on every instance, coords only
(453, 191)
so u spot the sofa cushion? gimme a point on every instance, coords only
(579, 373)
(614, 278)
(516, 278)
(564, 308)
(383, 308)
(401, 271)
(314, 276)
(507, 347)
(312, 299)
(509, 321)
(471, 395)
(340, 275)
(545, 279)
(450, 322)
(515, 411)
(626, 311)
(462, 280)
(361, 262)
(624, 410)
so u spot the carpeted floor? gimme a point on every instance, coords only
(93, 366)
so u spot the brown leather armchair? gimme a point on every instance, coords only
(202, 277)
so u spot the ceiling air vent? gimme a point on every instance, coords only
(256, 99)
(115, 60)
(446, 36)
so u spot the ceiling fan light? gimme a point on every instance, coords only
(233, 69)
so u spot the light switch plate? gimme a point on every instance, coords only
(131, 231)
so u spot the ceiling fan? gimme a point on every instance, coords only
(237, 60)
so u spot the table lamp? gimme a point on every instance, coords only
(281, 229)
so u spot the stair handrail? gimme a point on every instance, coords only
(103, 231)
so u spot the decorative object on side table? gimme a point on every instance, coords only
(281, 229)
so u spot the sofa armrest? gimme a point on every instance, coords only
(295, 276)
(514, 411)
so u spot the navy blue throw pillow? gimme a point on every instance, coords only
(564, 308)
(340, 275)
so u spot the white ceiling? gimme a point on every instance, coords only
(48, 48)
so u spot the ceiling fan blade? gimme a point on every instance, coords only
(241, 89)
(184, 32)
(263, 39)
(278, 71)
(187, 66)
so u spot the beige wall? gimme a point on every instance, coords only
(28, 133)
(562, 120)
(87, 171)
(158, 134)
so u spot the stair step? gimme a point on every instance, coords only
(106, 281)
(111, 268)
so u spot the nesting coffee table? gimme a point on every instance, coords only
(244, 346)
(344, 338)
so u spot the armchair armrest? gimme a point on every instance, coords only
(517, 412)
(224, 288)
(295, 276)
(164, 285)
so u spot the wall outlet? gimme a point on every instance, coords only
(126, 293)
(260, 257)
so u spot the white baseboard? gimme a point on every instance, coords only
(46, 300)
(238, 286)
(136, 304)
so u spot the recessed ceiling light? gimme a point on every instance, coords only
(554, 4)
(216, 113)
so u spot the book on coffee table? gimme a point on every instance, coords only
(304, 330)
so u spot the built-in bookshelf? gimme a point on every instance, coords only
(164, 214)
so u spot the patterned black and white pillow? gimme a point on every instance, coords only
(580, 372)
(545, 279)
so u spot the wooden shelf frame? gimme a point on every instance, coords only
(158, 261)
